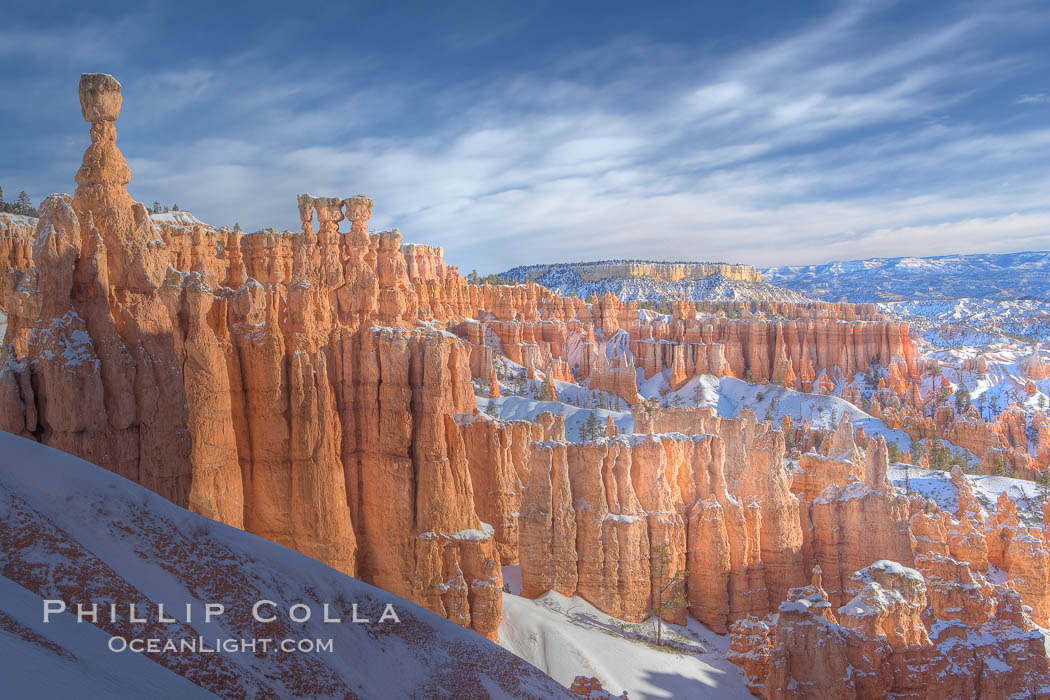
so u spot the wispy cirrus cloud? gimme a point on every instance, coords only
(852, 135)
(1033, 98)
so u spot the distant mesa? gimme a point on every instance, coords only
(653, 281)
(660, 271)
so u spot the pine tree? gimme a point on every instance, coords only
(547, 388)
(174, 207)
(156, 207)
(939, 456)
(660, 560)
(592, 426)
(24, 204)
(1043, 487)
(894, 451)
(1, 198)
(236, 226)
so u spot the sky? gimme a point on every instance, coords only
(515, 133)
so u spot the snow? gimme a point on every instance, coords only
(931, 484)
(996, 575)
(523, 408)
(117, 527)
(512, 578)
(8, 219)
(995, 664)
(974, 321)
(616, 517)
(566, 637)
(73, 345)
(990, 276)
(470, 535)
(1003, 384)
(727, 395)
(178, 218)
(566, 280)
(73, 658)
(937, 485)
(888, 567)
(803, 605)
(659, 384)
(854, 490)
(770, 402)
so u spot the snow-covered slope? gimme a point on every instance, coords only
(75, 532)
(574, 414)
(769, 402)
(937, 486)
(1002, 384)
(178, 218)
(566, 637)
(17, 220)
(72, 659)
(990, 276)
(172, 218)
(955, 322)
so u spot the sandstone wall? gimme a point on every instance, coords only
(277, 405)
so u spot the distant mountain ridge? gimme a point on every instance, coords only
(982, 275)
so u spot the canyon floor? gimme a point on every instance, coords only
(568, 637)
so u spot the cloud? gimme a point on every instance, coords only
(1033, 98)
(837, 141)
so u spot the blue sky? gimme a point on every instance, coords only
(529, 132)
